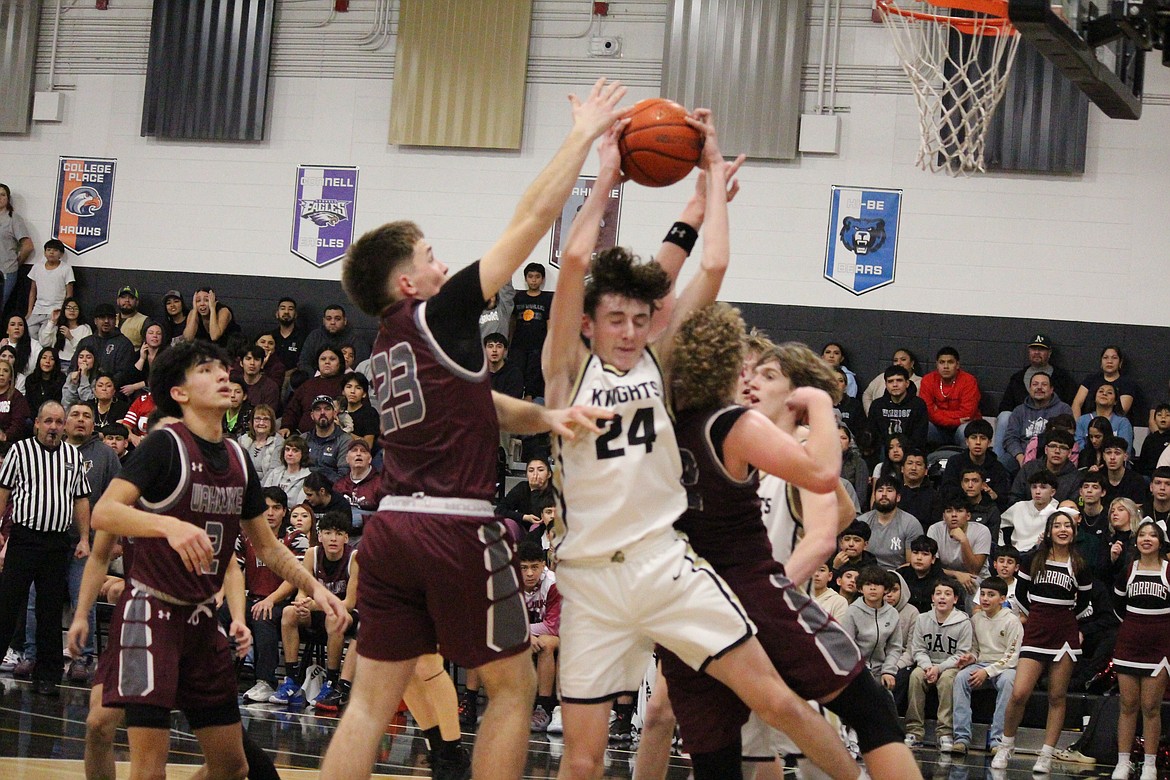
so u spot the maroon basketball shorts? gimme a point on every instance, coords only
(810, 650)
(438, 575)
(166, 655)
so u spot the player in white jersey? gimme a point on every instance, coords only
(629, 580)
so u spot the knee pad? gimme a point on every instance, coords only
(868, 709)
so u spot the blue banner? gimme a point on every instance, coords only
(862, 246)
(85, 200)
(323, 212)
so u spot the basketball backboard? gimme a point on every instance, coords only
(1100, 46)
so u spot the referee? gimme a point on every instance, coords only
(45, 479)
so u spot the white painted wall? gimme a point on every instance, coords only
(981, 245)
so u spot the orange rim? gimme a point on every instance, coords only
(994, 23)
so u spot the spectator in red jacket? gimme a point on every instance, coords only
(952, 399)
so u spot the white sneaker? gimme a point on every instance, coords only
(1043, 765)
(555, 724)
(945, 744)
(1002, 757)
(1122, 770)
(259, 693)
(913, 741)
(11, 659)
(1149, 772)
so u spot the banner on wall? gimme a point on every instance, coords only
(323, 207)
(606, 238)
(862, 245)
(85, 199)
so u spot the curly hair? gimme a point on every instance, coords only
(372, 260)
(618, 271)
(707, 356)
(803, 367)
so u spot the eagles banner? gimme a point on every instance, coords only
(85, 196)
(606, 237)
(323, 212)
(862, 245)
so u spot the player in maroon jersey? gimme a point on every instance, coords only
(438, 566)
(181, 500)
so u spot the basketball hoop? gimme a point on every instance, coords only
(958, 54)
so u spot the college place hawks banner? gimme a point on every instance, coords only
(862, 246)
(85, 197)
(323, 207)
(606, 237)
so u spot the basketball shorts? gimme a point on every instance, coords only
(166, 655)
(615, 612)
(438, 575)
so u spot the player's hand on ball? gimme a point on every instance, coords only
(608, 155)
(192, 544)
(567, 422)
(242, 635)
(700, 119)
(599, 111)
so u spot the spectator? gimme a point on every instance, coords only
(262, 443)
(850, 413)
(14, 410)
(175, 321)
(334, 332)
(997, 482)
(50, 283)
(522, 503)
(1120, 480)
(898, 597)
(139, 377)
(829, 600)
(834, 354)
(357, 416)
(529, 327)
(8, 355)
(66, 332)
(921, 574)
(289, 334)
(130, 321)
(1024, 521)
(137, 419)
(1064, 422)
(16, 336)
(952, 399)
(46, 382)
(298, 411)
(963, 546)
(941, 638)
(1019, 386)
(874, 625)
(917, 496)
(1125, 389)
(258, 388)
(320, 496)
(891, 529)
(290, 477)
(507, 378)
(117, 437)
(1058, 446)
(497, 313)
(79, 384)
(1093, 529)
(1105, 400)
(362, 485)
(853, 467)
(209, 320)
(301, 518)
(1158, 506)
(1157, 440)
(273, 368)
(851, 548)
(327, 443)
(114, 353)
(846, 581)
(1124, 517)
(899, 412)
(992, 662)
(543, 601)
(1007, 565)
(984, 511)
(1030, 418)
(107, 407)
(1092, 455)
(877, 388)
(239, 412)
(895, 453)
(15, 245)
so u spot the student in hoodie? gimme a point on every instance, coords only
(1031, 417)
(990, 664)
(830, 600)
(852, 550)
(942, 636)
(1054, 591)
(923, 571)
(898, 597)
(997, 481)
(854, 469)
(1057, 460)
(873, 625)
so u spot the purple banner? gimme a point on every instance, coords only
(323, 212)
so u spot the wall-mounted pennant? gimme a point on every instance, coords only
(606, 237)
(323, 206)
(862, 245)
(85, 200)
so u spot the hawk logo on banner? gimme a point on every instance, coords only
(323, 209)
(862, 244)
(85, 193)
(606, 237)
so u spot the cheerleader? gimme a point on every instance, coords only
(1053, 590)
(1141, 656)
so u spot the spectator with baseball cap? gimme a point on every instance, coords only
(130, 321)
(175, 319)
(1018, 391)
(328, 443)
(114, 352)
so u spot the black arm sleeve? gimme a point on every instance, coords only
(254, 503)
(453, 317)
(153, 466)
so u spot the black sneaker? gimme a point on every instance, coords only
(334, 701)
(469, 710)
(621, 732)
(457, 767)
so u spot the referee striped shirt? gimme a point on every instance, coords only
(44, 484)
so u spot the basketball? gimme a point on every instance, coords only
(658, 147)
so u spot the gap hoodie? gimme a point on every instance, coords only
(877, 634)
(941, 644)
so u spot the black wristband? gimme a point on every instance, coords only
(682, 235)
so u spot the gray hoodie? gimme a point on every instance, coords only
(941, 644)
(1028, 420)
(877, 634)
(907, 617)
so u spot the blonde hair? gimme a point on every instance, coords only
(803, 367)
(1135, 516)
(707, 357)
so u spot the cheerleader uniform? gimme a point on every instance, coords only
(1143, 606)
(1054, 600)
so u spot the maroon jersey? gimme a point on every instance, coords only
(335, 578)
(203, 496)
(363, 495)
(439, 428)
(259, 580)
(723, 519)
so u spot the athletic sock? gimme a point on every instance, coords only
(1007, 742)
(1151, 759)
(1122, 758)
(1048, 750)
(863, 775)
(433, 738)
(332, 675)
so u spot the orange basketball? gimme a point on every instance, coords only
(658, 147)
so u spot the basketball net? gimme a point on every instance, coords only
(958, 67)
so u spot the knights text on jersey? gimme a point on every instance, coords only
(624, 484)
